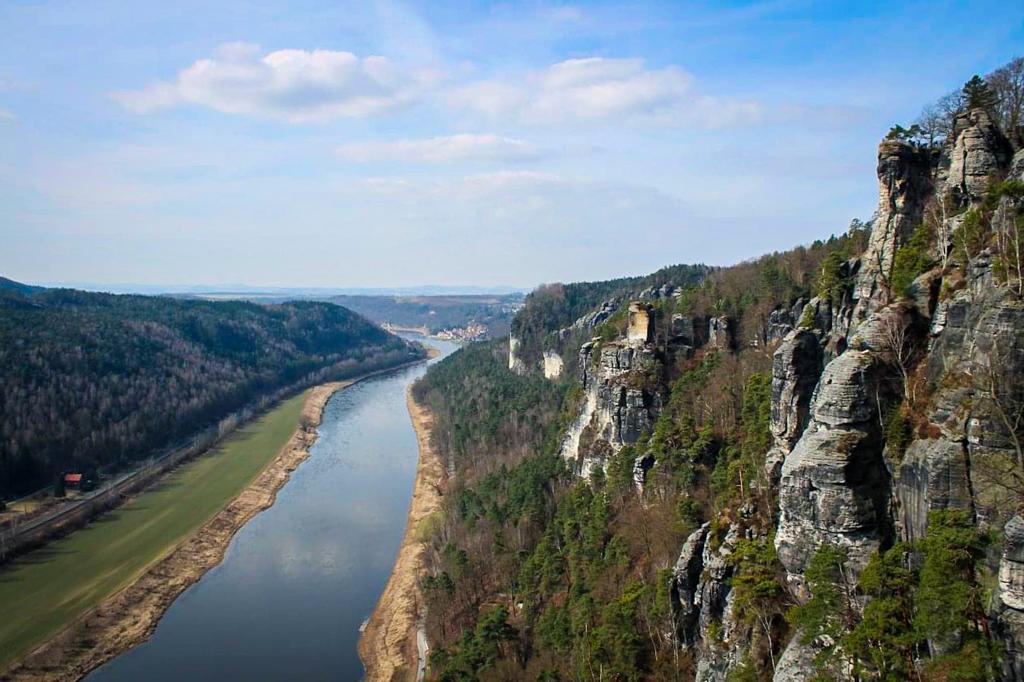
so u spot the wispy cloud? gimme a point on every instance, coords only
(446, 149)
(601, 90)
(293, 85)
(7, 115)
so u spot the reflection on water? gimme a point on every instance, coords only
(300, 578)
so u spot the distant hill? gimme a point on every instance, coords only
(99, 380)
(9, 285)
(436, 313)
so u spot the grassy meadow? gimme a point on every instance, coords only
(44, 590)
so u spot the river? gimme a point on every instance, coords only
(300, 578)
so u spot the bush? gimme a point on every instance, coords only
(912, 259)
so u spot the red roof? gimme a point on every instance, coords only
(72, 478)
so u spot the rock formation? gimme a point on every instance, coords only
(980, 152)
(904, 184)
(553, 365)
(617, 407)
(796, 366)
(515, 362)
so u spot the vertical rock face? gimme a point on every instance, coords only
(1009, 608)
(719, 335)
(515, 362)
(781, 321)
(617, 408)
(904, 185)
(684, 588)
(834, 485)
(796, 366)
(702, 603)
(980, 152)
(934, 475)
(553, 365)
(641, 325)
(976, 363)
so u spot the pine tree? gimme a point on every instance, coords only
(979, 95)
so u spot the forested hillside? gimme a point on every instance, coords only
(96, 380)
(803, 467)
(538, 574)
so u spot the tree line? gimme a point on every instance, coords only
(97, 381)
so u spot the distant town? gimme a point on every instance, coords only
(471, 332)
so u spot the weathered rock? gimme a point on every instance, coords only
(719, 333)
(684, 586)
(553, 365)
(702, 603)
(980, 152)
(796, 367)
(640, 328)
(780, 323)
(834, 485)
(1017, 166)
(933, 475)
(1009, 602)
(796, 664)
(976, 362)
(515, 362)
(904, 185)
(683, 330)
(592, 319)
(617, 407)
(641, 466)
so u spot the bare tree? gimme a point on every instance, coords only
(1006, 226)
(1002, 390)
(934, 125)
(899, 349)
(1008, 84)
(937, 214)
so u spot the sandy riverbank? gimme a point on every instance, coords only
(390, 646)
(129, 617)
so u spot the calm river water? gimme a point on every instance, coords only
(300, 578)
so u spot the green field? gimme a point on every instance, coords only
(42, 591)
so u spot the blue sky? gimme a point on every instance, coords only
(394, 143)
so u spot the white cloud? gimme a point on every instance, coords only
(600, 89)
(6, 115)
(293, 85)
(462, 147)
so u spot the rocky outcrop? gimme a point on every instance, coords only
(980, 153)
(976, 363)
(592, 319)
(719, 333)
(515, 362)
(904, 185)
(834, 485)
(641, 466)
(796, 664)
(934, 475)
(702, 602)
(1009, 601)
(553, 365)
(617, 405)
(684, 588)
(640, 327)
(796, 366)
(782, 320)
